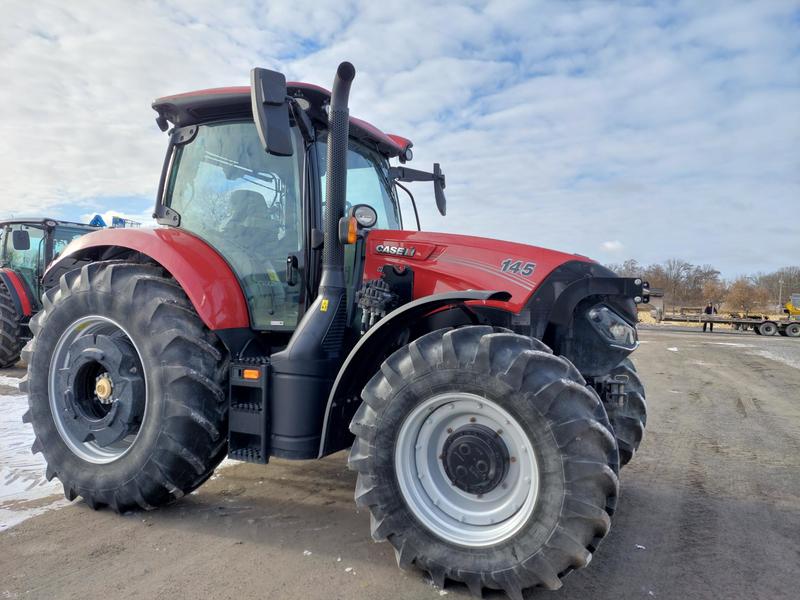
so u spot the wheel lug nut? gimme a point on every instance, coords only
(513, 459)
(449, 430)
(499, 432)
(472, 419)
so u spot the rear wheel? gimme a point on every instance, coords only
(485, 459)
(768, 328)
(10, 329)
(793, 330)
(629, 418)
(125, 387)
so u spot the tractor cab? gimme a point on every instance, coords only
(264, 211)
(27, 247)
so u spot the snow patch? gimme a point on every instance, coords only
(22, 480)
(776, 357)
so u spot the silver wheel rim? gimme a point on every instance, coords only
(447, 511)
(89, 451)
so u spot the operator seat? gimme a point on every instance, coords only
(250, 221)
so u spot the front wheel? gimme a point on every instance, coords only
(10, 329)
(629, 416)
(484, 458)
(125, 387)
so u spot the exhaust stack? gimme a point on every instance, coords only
(305, 370)
(336, 176)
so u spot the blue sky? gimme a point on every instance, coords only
(615, 130)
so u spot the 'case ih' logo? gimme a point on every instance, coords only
(395, 250)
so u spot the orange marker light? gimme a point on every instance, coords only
(250, 373)
(352, 230)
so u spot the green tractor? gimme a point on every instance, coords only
(26, 248)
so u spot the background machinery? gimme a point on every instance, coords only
(483, 387)
(26, 248)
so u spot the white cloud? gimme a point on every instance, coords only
(666, 125)
(612, 246)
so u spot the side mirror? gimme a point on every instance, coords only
(438, 189)
(20, 239)
(271, 111)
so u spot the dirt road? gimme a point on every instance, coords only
(710, 508)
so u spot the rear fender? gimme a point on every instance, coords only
(21, 294)
(207, 279)
(365, 358)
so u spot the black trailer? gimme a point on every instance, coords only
(761, 325)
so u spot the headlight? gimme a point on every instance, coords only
(612, 327)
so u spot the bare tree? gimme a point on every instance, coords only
(745, 295)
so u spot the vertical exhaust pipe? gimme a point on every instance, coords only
(303, 373)
(336, 176)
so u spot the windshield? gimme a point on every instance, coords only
(27, 262)
(247, 205)
(63, 235)
(367, 183)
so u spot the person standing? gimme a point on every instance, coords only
(709, 310)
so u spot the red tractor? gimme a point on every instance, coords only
(26, 248)
(483, 387)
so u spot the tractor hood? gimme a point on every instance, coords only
(444, 262)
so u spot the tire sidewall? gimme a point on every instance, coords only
(9, 356)
(70, 467)
(546, 512)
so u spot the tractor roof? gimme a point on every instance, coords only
(232, 102)
(45, 221)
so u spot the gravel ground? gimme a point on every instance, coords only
(710, 507)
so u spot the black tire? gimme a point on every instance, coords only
(793, 330)
(11, 340)
(768, 328)
(629, 419)
(566, 426)
(183, 434)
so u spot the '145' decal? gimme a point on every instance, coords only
(510, 265)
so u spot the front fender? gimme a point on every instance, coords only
(344, 397)
(207, 279)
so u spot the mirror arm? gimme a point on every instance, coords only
(437, 177)
(413, 202)
(301, 118)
